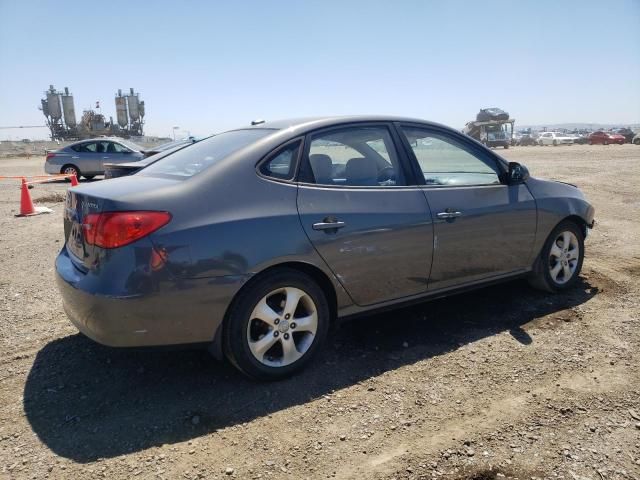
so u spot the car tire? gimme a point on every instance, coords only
(70, 169)
(636, 141)
(89, 177)
(558, 266)
(555, 143)
(506, 147)
(259, 347)
(605, 142)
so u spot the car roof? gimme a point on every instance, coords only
(328, 121)
(98, 139)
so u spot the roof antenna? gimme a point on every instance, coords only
(257, 122)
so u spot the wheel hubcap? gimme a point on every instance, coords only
(563, 257)
(282, 327)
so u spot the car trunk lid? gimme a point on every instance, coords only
(78, 206)
(118, 194)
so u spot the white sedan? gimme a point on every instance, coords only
(554, 138)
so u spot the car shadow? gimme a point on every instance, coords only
(97, 178)
(86, 401)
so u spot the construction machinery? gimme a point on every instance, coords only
(492, 127)
(59, 111)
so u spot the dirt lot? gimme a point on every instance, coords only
(502, 382)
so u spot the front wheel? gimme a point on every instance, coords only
(71, 170)
(559, 264)
(276, 325)
(555, 143)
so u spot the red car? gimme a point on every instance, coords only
(605, 138)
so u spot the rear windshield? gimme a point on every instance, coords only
(190, 161)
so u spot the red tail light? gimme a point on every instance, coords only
(116, 229)
(49, 155)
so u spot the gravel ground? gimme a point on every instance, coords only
(504, 382)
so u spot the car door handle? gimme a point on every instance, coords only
(448, 213)
(328, 225)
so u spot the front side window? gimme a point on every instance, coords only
(446, 162)
(355, 156)
(282, 163)
(113, 147)
(198, 157)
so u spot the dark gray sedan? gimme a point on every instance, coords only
(255, 240)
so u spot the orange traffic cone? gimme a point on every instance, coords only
(26, 205)
(74, 181)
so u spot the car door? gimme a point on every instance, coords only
(545, 138)
(120, 154)
(90, 161)
(373, 231)
(483, 228)
(99, 154)
(113, 153)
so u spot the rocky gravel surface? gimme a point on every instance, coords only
(504, 382)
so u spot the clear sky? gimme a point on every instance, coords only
(208, 66)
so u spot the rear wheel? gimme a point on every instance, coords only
(71, 170)
(555, 143)
(605, 142)
(559, 264)
(636, 141)
(276, 325)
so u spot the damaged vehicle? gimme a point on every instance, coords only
(254, 241)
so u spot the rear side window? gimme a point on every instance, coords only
(281, 164)
(190, 161)
(362, 156)
(90, 147)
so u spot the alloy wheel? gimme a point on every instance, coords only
(282, 327)
(564, 257)
(70, 171)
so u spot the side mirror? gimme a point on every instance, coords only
(517, 173)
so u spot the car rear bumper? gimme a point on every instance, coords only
(172, 312)
(51, 169)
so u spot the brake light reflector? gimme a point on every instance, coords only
(117, 229)
(49, 155)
